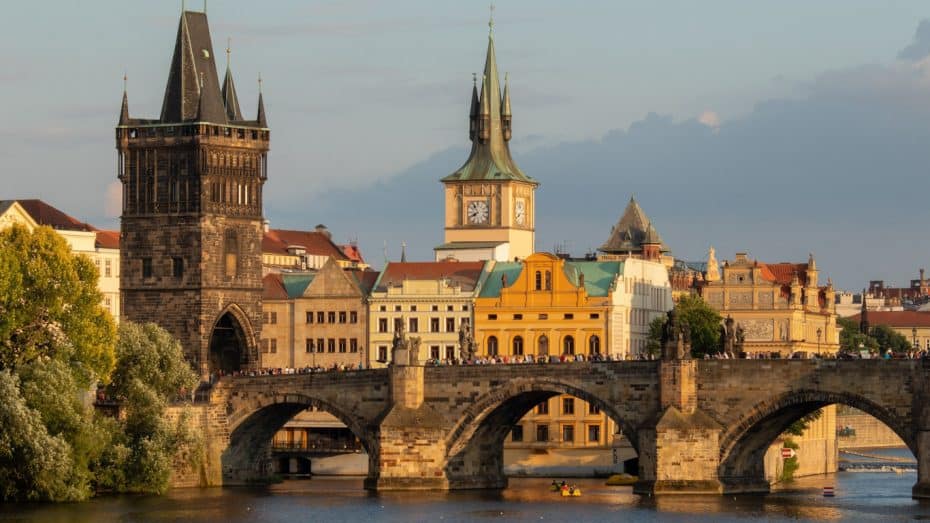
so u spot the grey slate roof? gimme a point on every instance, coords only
(193, 63)
(631, 231)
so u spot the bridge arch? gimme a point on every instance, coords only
(475, 443)
(252, 427)
(744, 444)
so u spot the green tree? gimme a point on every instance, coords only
(851, 340)
(654, 343)
(50, 306)
(34, 465)
(889, 339)
(701, 318)
(150, 372)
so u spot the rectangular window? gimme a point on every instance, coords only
(413, 308)
(568, 405)
(594, 433)
(518, 316)
(309, 317)
(450, 352)
(331, 345)
(177, 267)
(492, 316)
(343, 317)
(569, 316)
(434, 324)
(465, 308)
(309, 345)
(434, 352)
(595, 316)
(146, 267)
(353, 345)
(568, 433)
(450, 324)
(274, 318)
(264, 317)
(331, 317)
(382, 353)
(434, 308)
(382, 325)
(383, 308)
(397, 308)
(543, 408)
(542, 432)
(342, 345)
(398, 324)
(353, 316)
(264, 345)
(320, 345)
(107, 270)
(593, 409)
(320, 317)
(414, 325)
(274, 345)
(516, 433)
(450, 308)
(544, 316)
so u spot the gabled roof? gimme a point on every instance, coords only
(276, 241)
(45, 214)
(631, 231)
(784, 272)
(599, 276)
(366, 280)
(352, 252)
(193, 64)
(107, 240)
(896, 318)
(465, 274)
(273, 287)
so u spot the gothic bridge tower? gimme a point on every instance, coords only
(490, 203)
(191, 226)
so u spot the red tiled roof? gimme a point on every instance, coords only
(896, 318)
(353, 253)
(465, 273)
(783, 273)
(273, 287)
(107, 240)
(276, 241)
(367, 280)
(45, 214)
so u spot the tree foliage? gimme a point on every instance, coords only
(50, 307)
(701, 318)
(889, 339)
(851, 340)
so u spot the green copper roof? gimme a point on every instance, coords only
(490, 158)
(598, 276)
(491, 288)
(296, 284)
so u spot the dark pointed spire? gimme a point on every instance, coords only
(192, 60)
(261, 118)
(403, 252)
(864, 316)
(506, 116)
(230, 99)
(473, 111)
(124, 110)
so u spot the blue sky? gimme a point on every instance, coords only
(778, 127)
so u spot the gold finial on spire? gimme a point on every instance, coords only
(228, 50)
(125, 82)
(491, 21)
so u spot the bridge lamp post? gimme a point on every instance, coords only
(819, 333)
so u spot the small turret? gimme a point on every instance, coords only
(812, 279)
(484, 112)
(473, 112)
(261, 118)
(124, 110)
(506, 116)
(230, 100)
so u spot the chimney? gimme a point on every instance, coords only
(320, 228)
(266, 225)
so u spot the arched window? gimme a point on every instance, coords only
(543, 349)
(538, 280)
(548, 281)
(231, 252)
(492, 346)
(594, 345)
(568, 345)
(518, 346)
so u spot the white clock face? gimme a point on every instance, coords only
(478, 212)
(519, 212)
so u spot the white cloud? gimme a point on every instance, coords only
(710, 119)
(114, 199)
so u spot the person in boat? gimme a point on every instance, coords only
(554, 486)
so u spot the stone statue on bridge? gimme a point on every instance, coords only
(728, 337)
(466, 342)
(676, 338)
(400, 347)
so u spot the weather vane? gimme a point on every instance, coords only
(491, 20)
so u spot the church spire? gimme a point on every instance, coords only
(192, 60)
(506, 116)
(261, 118)
(124, 110)
(490, 155)
(230, 100)
(473, 111)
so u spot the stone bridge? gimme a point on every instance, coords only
(699, 426)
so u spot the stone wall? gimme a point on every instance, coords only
(869, 432)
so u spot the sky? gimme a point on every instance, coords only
(774, 127)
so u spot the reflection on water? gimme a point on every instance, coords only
(859, 496)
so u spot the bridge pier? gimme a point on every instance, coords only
(679, 452)
(921, 489)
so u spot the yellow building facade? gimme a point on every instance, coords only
(780, 307)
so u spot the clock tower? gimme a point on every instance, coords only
(490, 205)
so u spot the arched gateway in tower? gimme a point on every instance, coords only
(191, 225)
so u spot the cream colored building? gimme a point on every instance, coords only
(640, 294)
(779, 306)
(913, 325)
(102, 247)
(430, 299)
